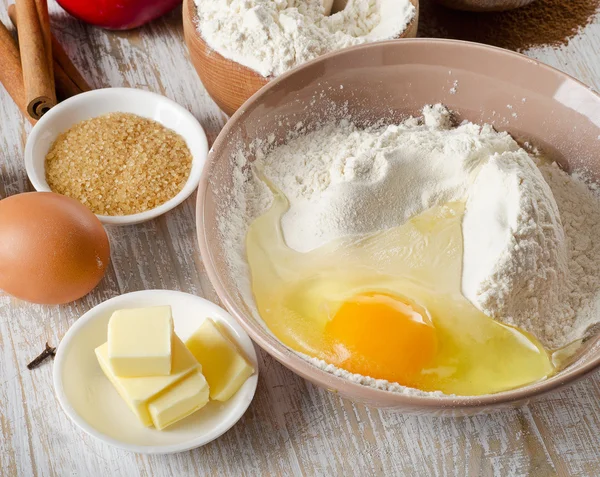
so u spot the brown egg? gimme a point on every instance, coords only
(52, 248)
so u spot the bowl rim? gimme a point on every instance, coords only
(39, 181)
(323, 378)
(95, 313)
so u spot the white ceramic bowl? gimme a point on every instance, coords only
(91, 402)
(110, 100)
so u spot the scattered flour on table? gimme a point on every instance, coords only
(273, 36)
(531, 234)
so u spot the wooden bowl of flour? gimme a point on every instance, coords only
(229, 83)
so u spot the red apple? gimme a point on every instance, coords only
(118, 14)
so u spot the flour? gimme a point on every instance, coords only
(342, 180)
(515, 252)
(532, 253)
(381, 384)
(579, 206)
(531, 249)
(273, 36)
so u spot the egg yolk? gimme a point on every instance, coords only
(382, 336)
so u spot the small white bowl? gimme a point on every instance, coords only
(110, 100)
(91, 402)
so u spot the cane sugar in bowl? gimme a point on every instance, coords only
(118, 164)
(132, 155)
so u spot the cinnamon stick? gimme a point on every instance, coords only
(41, 7)
(65, 87)
(11, 74)
(68, 80)
(40, 94)
(61, 58)
(44, 18)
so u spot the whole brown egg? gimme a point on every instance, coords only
(52, 248)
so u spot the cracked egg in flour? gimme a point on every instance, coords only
(389, 306)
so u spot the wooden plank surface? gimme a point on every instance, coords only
(292, 427)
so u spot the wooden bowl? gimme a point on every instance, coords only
(228, 83)
(484, 5)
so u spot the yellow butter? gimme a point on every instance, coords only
(138, 392)
(179, 401)
(139, 341)
(223, 366)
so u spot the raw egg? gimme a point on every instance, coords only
(389, 306)
(52, 248)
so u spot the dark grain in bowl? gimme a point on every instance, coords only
(484, 5)
(395, 79)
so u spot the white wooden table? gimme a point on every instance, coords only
(292, 427)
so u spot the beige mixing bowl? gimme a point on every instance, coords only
(229, 83)
(394, 79)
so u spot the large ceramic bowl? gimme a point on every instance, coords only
(394, 79)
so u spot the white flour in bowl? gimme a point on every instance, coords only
(273, 36)
(531, 234)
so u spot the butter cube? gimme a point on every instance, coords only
(138, 392)
(178, 402)
(223, 366)
(139, 341)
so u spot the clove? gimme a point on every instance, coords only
(49, 352)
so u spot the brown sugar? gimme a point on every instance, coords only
(118, 164)
(541, 23)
